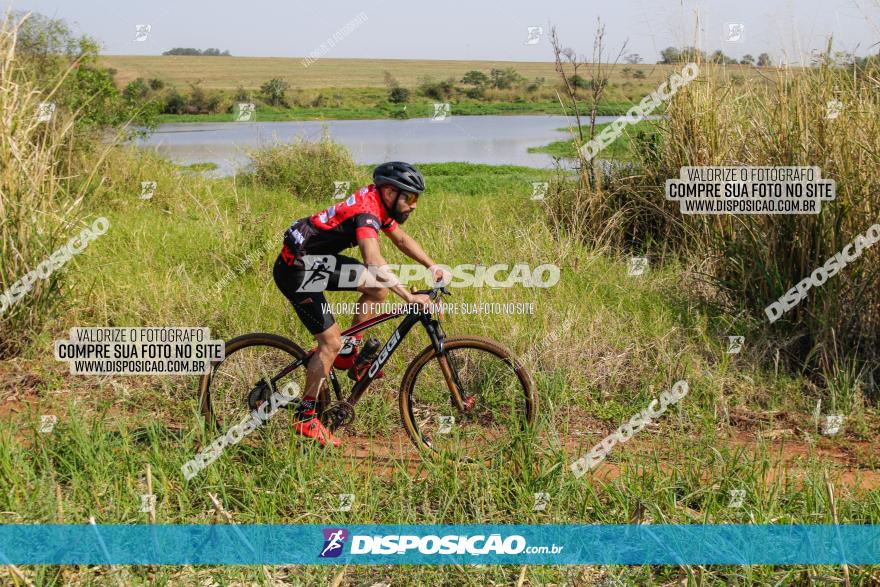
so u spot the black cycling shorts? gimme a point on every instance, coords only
(303, 279)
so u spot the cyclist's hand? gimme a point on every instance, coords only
(440, 276)
(420, 299)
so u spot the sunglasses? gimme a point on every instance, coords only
(410, 198)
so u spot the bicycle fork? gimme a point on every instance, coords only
(447, 367)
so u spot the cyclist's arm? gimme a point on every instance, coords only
(377, 266)
(409, 247)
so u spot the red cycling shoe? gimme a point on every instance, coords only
(313, 429)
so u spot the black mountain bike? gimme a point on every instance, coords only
(465, 398)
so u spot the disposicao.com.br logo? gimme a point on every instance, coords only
(335, 538)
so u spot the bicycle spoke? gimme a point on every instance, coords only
(499, 405)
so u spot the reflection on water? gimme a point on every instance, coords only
(495, 140)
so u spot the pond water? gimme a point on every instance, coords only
(495, 140)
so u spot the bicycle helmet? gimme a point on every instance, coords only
(401, 175)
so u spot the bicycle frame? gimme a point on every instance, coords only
(435, 333)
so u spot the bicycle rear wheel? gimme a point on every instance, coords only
(241, 382)
(504, 403)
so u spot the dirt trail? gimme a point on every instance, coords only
(855, 463)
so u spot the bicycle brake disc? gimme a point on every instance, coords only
(258, 395)
(338, 414)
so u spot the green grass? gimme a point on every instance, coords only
(623, 148)
(601, 345)
(199, 167)
(387, 110)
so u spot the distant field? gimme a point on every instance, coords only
(227, 73)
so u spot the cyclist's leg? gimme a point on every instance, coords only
(351, 275)
(313, 310)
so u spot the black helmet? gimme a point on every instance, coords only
(401, 175)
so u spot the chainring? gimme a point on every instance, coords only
(338, 414)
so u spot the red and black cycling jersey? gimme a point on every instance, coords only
(340, 226)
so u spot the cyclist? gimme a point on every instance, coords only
(310, 262)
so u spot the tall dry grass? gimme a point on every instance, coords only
(42, 187)
(780, 120)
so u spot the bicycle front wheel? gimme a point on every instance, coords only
(500, 401)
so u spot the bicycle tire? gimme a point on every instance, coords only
(237, 344)
(425, 358)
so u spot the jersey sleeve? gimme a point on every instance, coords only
(366, 225)
(389, 226)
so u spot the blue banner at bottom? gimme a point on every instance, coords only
(438, 544)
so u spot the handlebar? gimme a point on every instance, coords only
(434, 293)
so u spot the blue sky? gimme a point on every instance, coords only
(454, 29)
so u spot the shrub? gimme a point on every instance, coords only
(477, 93)
(136, 90)
(442, 90)
(535, 85)
(202, 102)
(398, 95)
(305, 169)
(475, 78)
(579, 82)
(175, 103)
(241, 95)
(273, 92)
(506, 78)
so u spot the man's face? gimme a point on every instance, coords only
(401, 209)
